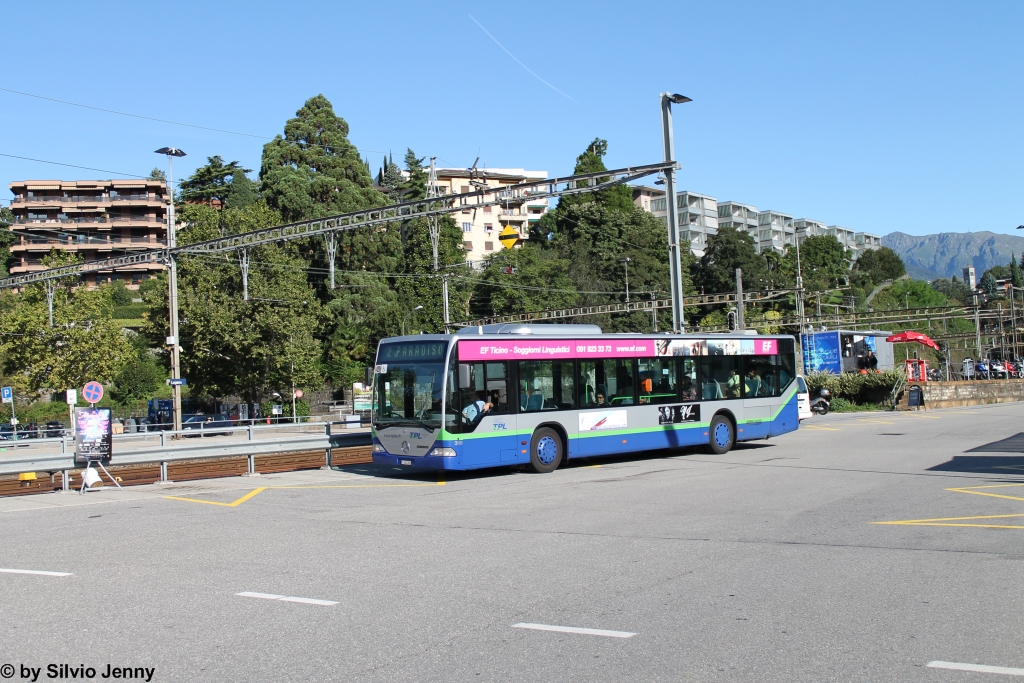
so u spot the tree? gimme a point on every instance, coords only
(157, 174)
(138, 380)
(236, 347)
(7, 238)
(210, 182)
(539, 280)
(823, 262)
(1016, 278)
(988, 283)
(725, 252)
(83, 344)
(391, 178)
(880, 265)
(241, 193)
(313, 170)
(954, 288)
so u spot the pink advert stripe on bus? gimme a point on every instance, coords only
(470, 349)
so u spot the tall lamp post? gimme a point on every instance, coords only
(172, 283)
(418, 308)
(625, 262)
(674, 257)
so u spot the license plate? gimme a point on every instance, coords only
(405, 462)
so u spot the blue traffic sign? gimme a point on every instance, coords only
(177, 381)
(92, 392)
(6, 394)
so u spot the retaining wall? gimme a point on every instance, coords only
(952, 394)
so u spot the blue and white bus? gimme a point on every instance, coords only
(539, 395)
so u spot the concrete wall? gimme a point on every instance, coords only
(950, 394)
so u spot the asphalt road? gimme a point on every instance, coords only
(765, 564)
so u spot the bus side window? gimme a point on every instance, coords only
(687, 379)
(546, 385)
(658, 380)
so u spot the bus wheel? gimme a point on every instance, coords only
(545, 450)
(722, 436)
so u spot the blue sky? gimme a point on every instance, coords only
(875, 116)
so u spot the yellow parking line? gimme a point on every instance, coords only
(947, 521)
(880, 422)
(970, 489)
(254, 492)
(227, 505)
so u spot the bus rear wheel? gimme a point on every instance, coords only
(546, 450)
(721, 435)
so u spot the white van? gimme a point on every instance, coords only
(803, 399)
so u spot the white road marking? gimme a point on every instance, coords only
(286, 598)
(979, 668)
(34, 571)
(573, 629)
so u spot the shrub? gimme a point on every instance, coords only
(853, 387)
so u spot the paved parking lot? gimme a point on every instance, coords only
(862, 548)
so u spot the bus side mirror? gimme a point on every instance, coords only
(465, 376)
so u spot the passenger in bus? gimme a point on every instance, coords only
(599, 400)
(687, 391)
(733, 384)
(753, 383)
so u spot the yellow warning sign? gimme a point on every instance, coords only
(509, 236)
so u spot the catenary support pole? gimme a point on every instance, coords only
(49, 299)
(332, 245)
(740, 322)
(243, 261)
(672, 210)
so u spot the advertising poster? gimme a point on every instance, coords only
(93, 434)
(681, 347)
(687, 412)
(822, 353)
(598, 420)
(723, 347)
(361, 397)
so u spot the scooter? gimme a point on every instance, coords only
(821, 404)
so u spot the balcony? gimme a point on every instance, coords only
(89, 199)
(72, 243)
(512, 215)
(142, 220)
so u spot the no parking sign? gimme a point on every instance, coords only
(92, 392)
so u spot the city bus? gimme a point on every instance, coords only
(539, 395)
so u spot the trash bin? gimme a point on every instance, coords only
(915, 397)
(130, 426)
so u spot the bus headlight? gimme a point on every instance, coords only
(443, 452)
(377, 448)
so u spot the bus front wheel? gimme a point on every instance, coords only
(721, 435)
(546, 450)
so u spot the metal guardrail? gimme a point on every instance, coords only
(304, 440)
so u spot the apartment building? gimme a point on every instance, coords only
(743, 217)
(643, 195)
(774, 231)
(698, 218)
(863, 241)
(482, 225)
(95, 219)
(805, 227)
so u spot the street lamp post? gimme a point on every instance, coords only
(625, 262)
(674, 257)
(172, 284)
(418, 308)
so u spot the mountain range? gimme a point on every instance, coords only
(928, 257)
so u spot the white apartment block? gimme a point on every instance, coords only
(482, 225)
(743, 217)
(698, 218)
(774, 231)
(701, 215)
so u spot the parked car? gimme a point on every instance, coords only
(54, 429)
(205, 422)
(803, 399)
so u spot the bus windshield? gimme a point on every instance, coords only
(408, 385)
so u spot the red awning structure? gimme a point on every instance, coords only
(909, 336)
